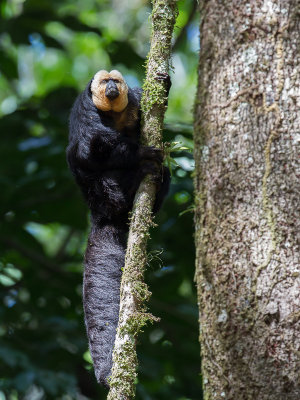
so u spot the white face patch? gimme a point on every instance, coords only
(98, 87)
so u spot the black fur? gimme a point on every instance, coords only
(108, 164)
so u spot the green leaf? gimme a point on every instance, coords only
(6, 280)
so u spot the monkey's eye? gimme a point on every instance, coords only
(116, 81)
(104, 80)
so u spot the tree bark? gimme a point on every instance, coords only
(134, 291)
(247, 130)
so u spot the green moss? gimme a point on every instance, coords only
(153, 108)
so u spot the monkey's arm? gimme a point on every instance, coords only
(126, 154)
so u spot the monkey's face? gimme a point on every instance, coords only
(109, 91)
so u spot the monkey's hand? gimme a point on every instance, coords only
(151, 153)
(165, 78)
(151, 159)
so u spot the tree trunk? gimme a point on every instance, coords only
(247, 128)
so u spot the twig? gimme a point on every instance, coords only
(34, 256)
(186, 25)
(61, 251)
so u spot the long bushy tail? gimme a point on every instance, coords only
(104, 259)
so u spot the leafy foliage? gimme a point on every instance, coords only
(48, 52)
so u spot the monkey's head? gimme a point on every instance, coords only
(109, 91)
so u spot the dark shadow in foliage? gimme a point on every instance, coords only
(36, 14)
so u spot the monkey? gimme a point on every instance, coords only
(108, 163)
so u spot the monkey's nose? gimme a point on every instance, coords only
(111, 91)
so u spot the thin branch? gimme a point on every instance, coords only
(134, 291)
(34, 256)
(62, 249)
(183, 31)
(46, 198)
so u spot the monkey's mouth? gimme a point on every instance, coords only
(111, 91)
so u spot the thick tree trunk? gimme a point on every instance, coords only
(247, 133)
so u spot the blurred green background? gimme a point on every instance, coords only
(48, 52)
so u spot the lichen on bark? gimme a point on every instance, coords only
(134, 291)
(247, 119)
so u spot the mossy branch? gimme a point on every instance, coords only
(134, 292)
